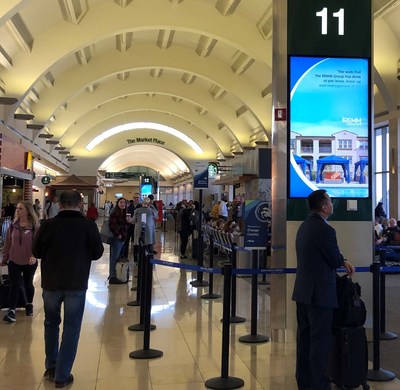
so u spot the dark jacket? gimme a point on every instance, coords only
(117, 223)
(66, 245)
(318, 257)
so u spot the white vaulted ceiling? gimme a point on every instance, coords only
(202, 67)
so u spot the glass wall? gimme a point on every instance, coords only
(381, 165)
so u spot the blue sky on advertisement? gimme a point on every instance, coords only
(328, 95)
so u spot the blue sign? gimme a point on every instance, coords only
(200, 175)
(257, 220)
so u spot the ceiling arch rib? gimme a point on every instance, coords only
(9, 8)
(120, 141)
(241, 119)
(189, 111)
(140, 132)
(170, 141)
(199, 18)
(175, 59)
(157, 111)
(125, 127)
(168, 164)
(217, 110)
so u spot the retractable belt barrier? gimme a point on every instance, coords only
(227, 382)
(247, 271)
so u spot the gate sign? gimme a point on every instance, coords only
(257, 220)
(200, 174)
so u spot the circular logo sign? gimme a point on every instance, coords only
(45, 179)
(212, 169)
(263, 212)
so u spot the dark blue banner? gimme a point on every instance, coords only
(200, 175)
(257, 215)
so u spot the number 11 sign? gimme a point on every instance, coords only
(329, 27)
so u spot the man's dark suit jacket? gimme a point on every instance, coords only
(318, 257)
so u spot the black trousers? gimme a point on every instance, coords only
(129, 238)
(314, 340)
(184, 234)
(21, 275)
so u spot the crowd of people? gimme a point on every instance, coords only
(387, 230)
(128, 220)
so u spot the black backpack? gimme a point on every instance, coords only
(351, 311)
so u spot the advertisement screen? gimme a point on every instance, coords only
(146, 190)
(329, 126)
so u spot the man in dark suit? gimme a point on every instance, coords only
(318, 257)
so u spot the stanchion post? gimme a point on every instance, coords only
(146, 352)
(225, 381)
(253, 337)
(384, 335)
(377, 374)
(211, 294)
(234, 318)
(141, 291)
(141, 258)
(199, 282)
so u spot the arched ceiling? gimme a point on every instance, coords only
(202, 67)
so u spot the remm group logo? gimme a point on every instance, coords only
(352, 121)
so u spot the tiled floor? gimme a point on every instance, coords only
(188, 333)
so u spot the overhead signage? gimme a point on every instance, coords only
(257, 220)
(123, 175)
(329, 96)
(200, 175)
(151, 140)
(334, 28)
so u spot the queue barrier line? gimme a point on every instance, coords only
(390, 269)
(186, 266)
(247, 271)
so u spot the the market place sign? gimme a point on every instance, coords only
(151, 140)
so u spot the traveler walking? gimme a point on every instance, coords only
(119, 227)
(66, 245)
(17, 254)
(52, 208)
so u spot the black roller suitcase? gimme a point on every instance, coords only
(349, 358)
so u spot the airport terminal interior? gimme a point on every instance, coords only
(114, 97)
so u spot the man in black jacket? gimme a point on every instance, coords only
(318, 257)
(67, 244)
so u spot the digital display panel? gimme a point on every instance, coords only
(329, 125)
(146, 189)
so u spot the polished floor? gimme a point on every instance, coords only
(188, 333)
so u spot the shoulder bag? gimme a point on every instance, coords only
(106, 234)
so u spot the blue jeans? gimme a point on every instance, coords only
(115, 251)
(61, 357)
